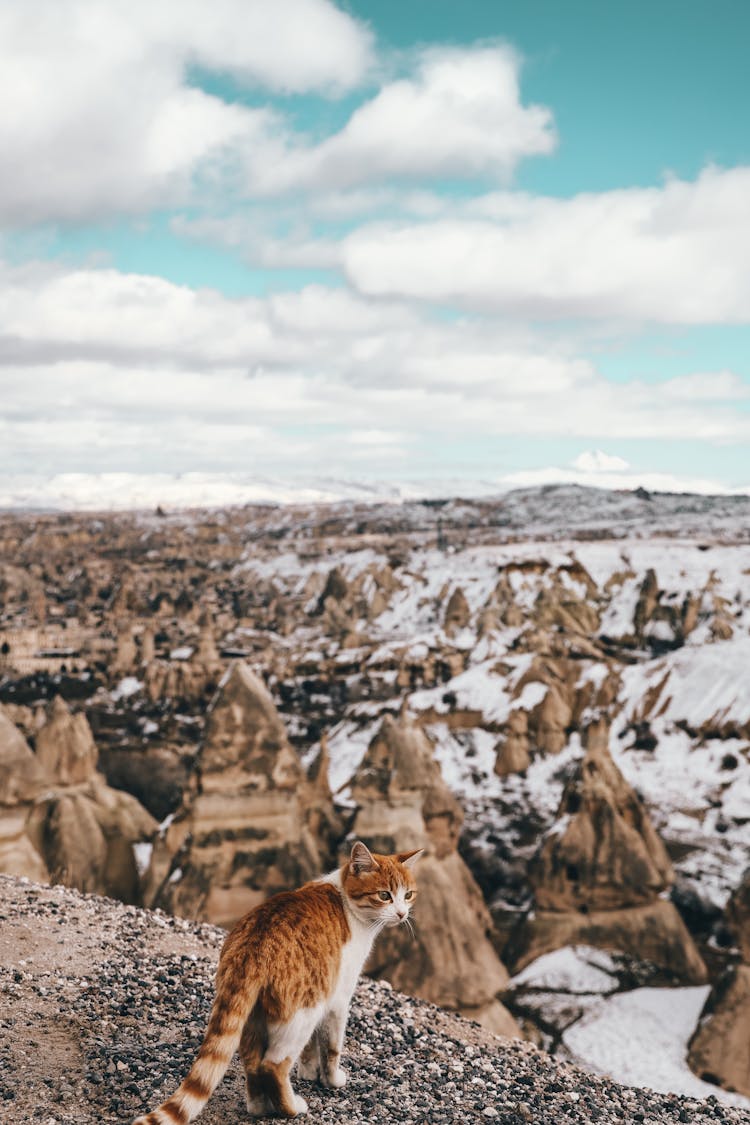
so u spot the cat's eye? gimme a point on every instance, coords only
(409, 894)
(385, 896)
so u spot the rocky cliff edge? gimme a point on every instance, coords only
(103, 1006)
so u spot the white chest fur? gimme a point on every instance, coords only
(353, 956)
(354, 953)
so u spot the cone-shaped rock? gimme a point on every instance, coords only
(513, 748)
(244, 829)
(207, 652)
(404, 804)
(738, 917)
(603, 853)
(457, 612)
(65, 746)
(21, 775)
(598, 875)
(22, 780)
(719, 1050)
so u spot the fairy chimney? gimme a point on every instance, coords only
(603, 852)
(600, 873)
(244, 830)
(457, 613)
(126, 654)
(65, 745)
(22, 780)
(207, 652)
(403, 804)
(718, 1050)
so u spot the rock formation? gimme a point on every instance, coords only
(58, 817)
(718, 1050)
(404, 804)
(22, 779)
(251, 823)
(513, 751)
(549, 703)
(603, 853)
(457, 613)
(599, 873)
(126, 653)
(65, 746)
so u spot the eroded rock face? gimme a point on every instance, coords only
(22, 779)
(718, 1051)
(457, 612)
(21, 775)
(603, 853)
(549, 702)
(59, 819)
(65, 746)
(598, 875)
(246, 828)
(513, 749)
(654, 933)
(738, 917)
(404, 804)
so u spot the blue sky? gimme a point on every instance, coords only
(394, 242)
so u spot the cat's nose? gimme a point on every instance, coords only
(401, 915)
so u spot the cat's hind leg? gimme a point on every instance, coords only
(309, 1063)
(253, 1046)
(286, 1041)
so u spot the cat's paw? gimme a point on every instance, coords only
(300, 1105)
(257, 1107)
(309, 1069)
(337, 1078)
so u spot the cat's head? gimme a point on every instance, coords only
(380, 888)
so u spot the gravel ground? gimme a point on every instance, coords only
(103, 1007)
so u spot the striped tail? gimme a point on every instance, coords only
(228, 1017)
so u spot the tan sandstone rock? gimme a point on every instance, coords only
(738, 917)
(22, 779)
(512, 751)
(654, 933)
(59, 819)
(599, 873)
(245, 829)
(719, 1051)
(457, 613)
(603, 853)
(404, 804)
(65, 746)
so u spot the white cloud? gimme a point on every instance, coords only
(96, 112)
(460, 116)
(596, 461)
(101, 370)
(675, 254)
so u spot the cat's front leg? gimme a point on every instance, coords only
(332, 1073)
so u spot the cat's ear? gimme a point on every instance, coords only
(408, 859)
(361, 859)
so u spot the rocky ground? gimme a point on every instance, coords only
(103, 1006)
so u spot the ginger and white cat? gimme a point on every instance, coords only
(285, 980)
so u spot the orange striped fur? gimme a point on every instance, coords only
(286, 976)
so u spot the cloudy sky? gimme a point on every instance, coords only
(384, 241)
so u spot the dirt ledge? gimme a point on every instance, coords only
(104, 1005)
